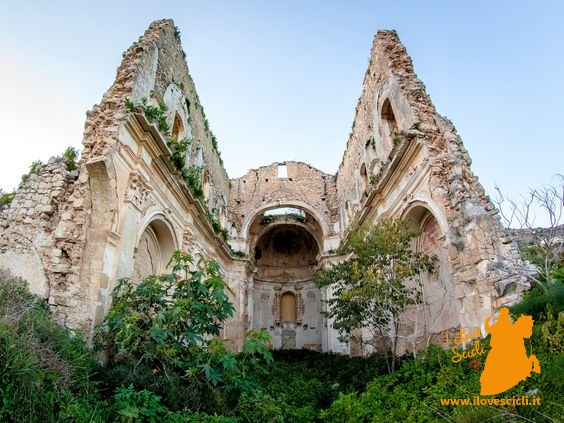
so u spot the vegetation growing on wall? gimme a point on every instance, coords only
(6, 198)
(69, 157)
(208, 131)
(163, 368)
(191, 174)
(217, 228)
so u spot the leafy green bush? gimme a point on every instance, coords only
(131, 405)
(44, 370)
(535, 302)
(6, 198)
(69, 157)
(259, 407)
(160, 333)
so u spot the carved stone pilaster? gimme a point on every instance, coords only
(276, 306)
(299, 305)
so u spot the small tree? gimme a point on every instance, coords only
(168, 326)
(375, 284)
(546, 246)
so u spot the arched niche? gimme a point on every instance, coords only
(286, 301)
(425, 223)
(288, 307)
(154, 249)
(206, 185)
(388, 120)
(178, 131)
(363, 178)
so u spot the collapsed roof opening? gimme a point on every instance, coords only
(286, 246)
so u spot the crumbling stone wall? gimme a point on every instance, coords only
(303, 186)
(129, 204)
(405, 160)
(72, 234)
(41, 239)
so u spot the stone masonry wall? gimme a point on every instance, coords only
(151, 66)
(304, 187)
(41, 239)
(71, 234)
(415, 157)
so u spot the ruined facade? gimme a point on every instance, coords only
(138, 194)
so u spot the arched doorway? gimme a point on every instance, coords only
(286, 301)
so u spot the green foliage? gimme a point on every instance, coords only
(6, 198)
(240, 254)
(129, 105)
(177, 33)
(259, 407)
(267, 218)
(157, 115)
(35, 166)
(44, 371)
(192, 177)
(178, 149)
(535, 302)
(162, 318)
(160, 333)
(208, 131)
(298, 217)
(134, 406)
(374, 286)
(217, 228)
(69, 157)
(553, 331)
(305, 382)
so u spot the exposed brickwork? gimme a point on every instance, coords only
(127, 206)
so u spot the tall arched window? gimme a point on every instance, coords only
(288, 307)
(206, 186)
(389, 124)
(177, 128)
(363, 178)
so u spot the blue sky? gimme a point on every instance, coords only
(279, 80)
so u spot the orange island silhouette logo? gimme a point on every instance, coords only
(506, 363)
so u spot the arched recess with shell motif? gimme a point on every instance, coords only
(155, 247)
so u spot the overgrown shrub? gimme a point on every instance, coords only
(6, 198)
(535, 302)
(160, 335)
(44, 370)
(69, 157)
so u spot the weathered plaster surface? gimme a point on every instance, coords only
(126, 207)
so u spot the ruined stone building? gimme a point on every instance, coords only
(149, 183)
